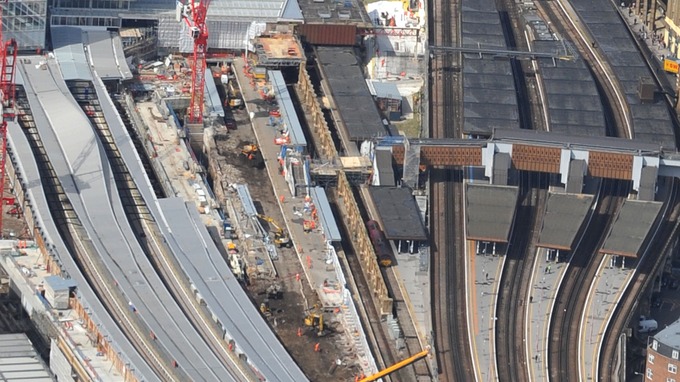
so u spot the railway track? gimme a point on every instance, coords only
(514, 286)
(449, 284)
(650, 263)
(617, 114)
(563, 350)
(101, 282)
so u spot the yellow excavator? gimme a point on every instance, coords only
(281, 238)
(315, 320)
(396, 366)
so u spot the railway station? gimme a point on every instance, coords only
(255, 188)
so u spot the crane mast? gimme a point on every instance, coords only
(8, 56)
(194, 14)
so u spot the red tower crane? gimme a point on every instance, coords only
(8, 56)
(194, 13)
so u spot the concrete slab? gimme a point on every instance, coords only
(607, 289)
(545, 281)
(485, 272)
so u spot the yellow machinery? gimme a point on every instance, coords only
(250, 151)
(280, 237)
(315, 320)
(397, 366)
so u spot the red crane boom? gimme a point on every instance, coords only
(194, 15)
(8, 56)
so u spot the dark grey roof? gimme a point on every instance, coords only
(489, 97)
(490, 211)
(575, 142)
(399, 215)
(328, 224)
(573, 102)
(287, 109)
(384, 89)
(631, 227)
(564, 214)
(357, 109)
(651, 122)
(384, 168)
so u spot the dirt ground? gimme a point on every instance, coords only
(287, 314)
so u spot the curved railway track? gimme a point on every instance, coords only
(617, 115)
(514, 284)
(565, 320)
(650, 263)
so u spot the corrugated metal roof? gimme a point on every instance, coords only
(490, 211)
(564, 214)
(19, 361)
(383, 164)
(60, 283)
(355, 105)
(213, 103)
(246, 200)
(70, 53)
(383, 89)
(287, 109)
(328, 224)
(631, 227)
(399, 213)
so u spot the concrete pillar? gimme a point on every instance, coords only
(637, 7)
(644, 14)
(652, 17)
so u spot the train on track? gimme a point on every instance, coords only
(380, 244)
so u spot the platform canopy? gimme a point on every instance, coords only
(490, 211)
(328, 224)
(564, 215)
(630, 228)
(398, 213)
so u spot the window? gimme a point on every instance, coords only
(670, 379)
(655, 344)
(675, 354)
(649, 373)
(672, 368)
(650, 358)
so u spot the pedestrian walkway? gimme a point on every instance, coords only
(653, 40)
(545, 281)
(485, 270)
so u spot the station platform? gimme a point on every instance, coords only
(545, 281)
(485, 270)
(607, 288)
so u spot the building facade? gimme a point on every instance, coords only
(663, 355)
(26, 22)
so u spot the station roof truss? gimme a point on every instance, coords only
(490, 211)
(563, 217)
(398, 213)
(630, 228)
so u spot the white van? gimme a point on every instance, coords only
(647, 326)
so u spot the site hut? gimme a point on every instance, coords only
(57, 291)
